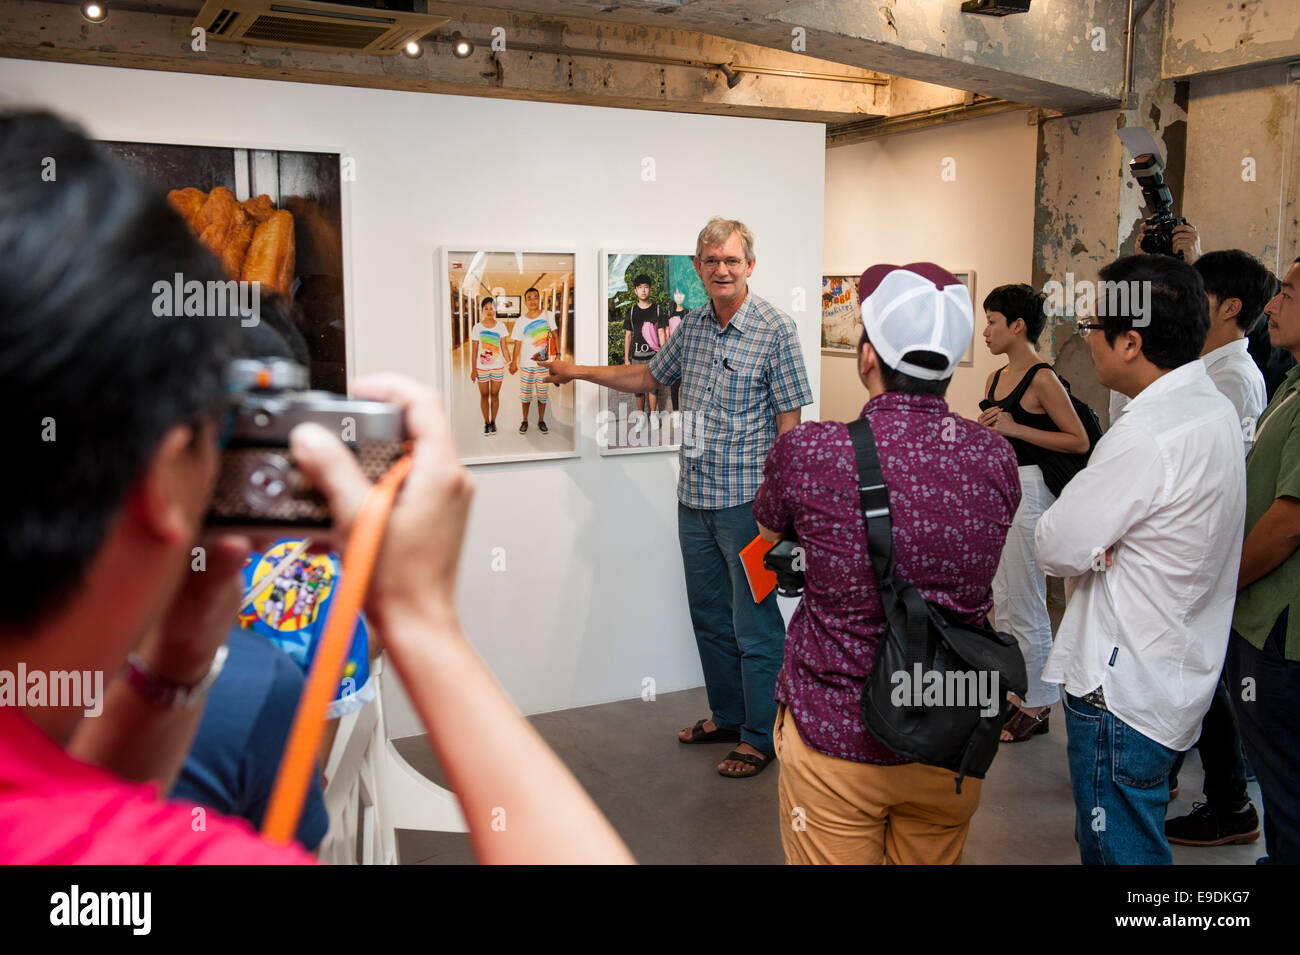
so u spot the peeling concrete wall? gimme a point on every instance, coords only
(1088, 207)
(1207, 35)
(1242, 163)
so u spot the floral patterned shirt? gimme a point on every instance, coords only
(953, 491)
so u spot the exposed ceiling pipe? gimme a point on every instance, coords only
(1128, 50)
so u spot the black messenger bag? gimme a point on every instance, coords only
(927, 652)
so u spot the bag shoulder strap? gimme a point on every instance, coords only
(905, 608)
(1019, 391)
(874, 499)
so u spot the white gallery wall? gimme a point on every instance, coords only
(592, 601)
(887, 200)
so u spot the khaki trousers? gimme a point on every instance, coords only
(840, 812)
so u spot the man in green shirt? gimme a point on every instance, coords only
(1263, 665)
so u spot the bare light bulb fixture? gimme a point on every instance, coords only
(94, 11)
(413, 50)
(461, 48)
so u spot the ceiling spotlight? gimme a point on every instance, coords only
(461, 48)
(413, 50)
(733, 78)
(94, 11)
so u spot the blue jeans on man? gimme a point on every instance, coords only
(742, 643)
(1120, 779)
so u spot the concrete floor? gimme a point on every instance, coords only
(670, 805)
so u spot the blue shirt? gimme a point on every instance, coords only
(735, 381)
(236, 753)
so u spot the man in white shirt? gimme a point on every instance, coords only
(1238, 286)
(1151, 532)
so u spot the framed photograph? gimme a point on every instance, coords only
(841, 314)
(509, 306)
(644, 296)
(272, 216)
(967, 278)
(500, 409)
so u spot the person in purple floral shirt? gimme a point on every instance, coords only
(953, 492)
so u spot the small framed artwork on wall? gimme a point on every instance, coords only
(644, 296)
(967, 278)
(506, 311)
(841, 314)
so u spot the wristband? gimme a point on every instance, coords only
(163, 692)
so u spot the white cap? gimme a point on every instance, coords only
(917, 307)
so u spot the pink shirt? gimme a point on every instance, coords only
(55, 809)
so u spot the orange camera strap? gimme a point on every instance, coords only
(300, 752)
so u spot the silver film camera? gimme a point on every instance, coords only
(259, 488)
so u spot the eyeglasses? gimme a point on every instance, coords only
(1085, 328)
(733, 263)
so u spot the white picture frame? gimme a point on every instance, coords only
(613, 417)
(521, 266)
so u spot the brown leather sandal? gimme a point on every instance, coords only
(700, 735)
(759, 761)
(1022, 726)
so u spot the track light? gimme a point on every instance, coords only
(94, 11)
(413, 50)
(733, 78)
(461, 48)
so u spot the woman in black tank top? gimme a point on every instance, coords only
(1027, 404)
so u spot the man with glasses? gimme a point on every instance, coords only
(743, 383)
(1150, 533)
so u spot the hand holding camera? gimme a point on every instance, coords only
(415, 577)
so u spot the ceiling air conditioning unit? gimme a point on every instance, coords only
(995, 8)
(306, 25)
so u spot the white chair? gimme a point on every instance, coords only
(371, 791)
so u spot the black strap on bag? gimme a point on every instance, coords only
(1058, 467)
(923, 639)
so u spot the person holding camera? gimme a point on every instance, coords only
(1149, 537)
(953, 494)
(1033, 412)
(117, 415)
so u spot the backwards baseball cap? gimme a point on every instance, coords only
(914, 308)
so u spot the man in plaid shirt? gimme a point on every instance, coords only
(743, 383)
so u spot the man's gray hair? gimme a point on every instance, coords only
(719, 230)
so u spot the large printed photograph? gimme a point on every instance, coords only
(273, 217)
(506, 313)
(646, 295)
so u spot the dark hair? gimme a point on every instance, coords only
(531, 288)
(1232, 273)
(641, 279)
(488, 300)
(906, 384)
(1178, 314)
(90, 372)
(1019, 301)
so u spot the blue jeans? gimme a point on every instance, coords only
(742, 644)
(1121, 788)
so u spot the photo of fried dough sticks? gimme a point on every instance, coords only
(253, 239)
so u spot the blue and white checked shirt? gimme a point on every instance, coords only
(735, 381)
